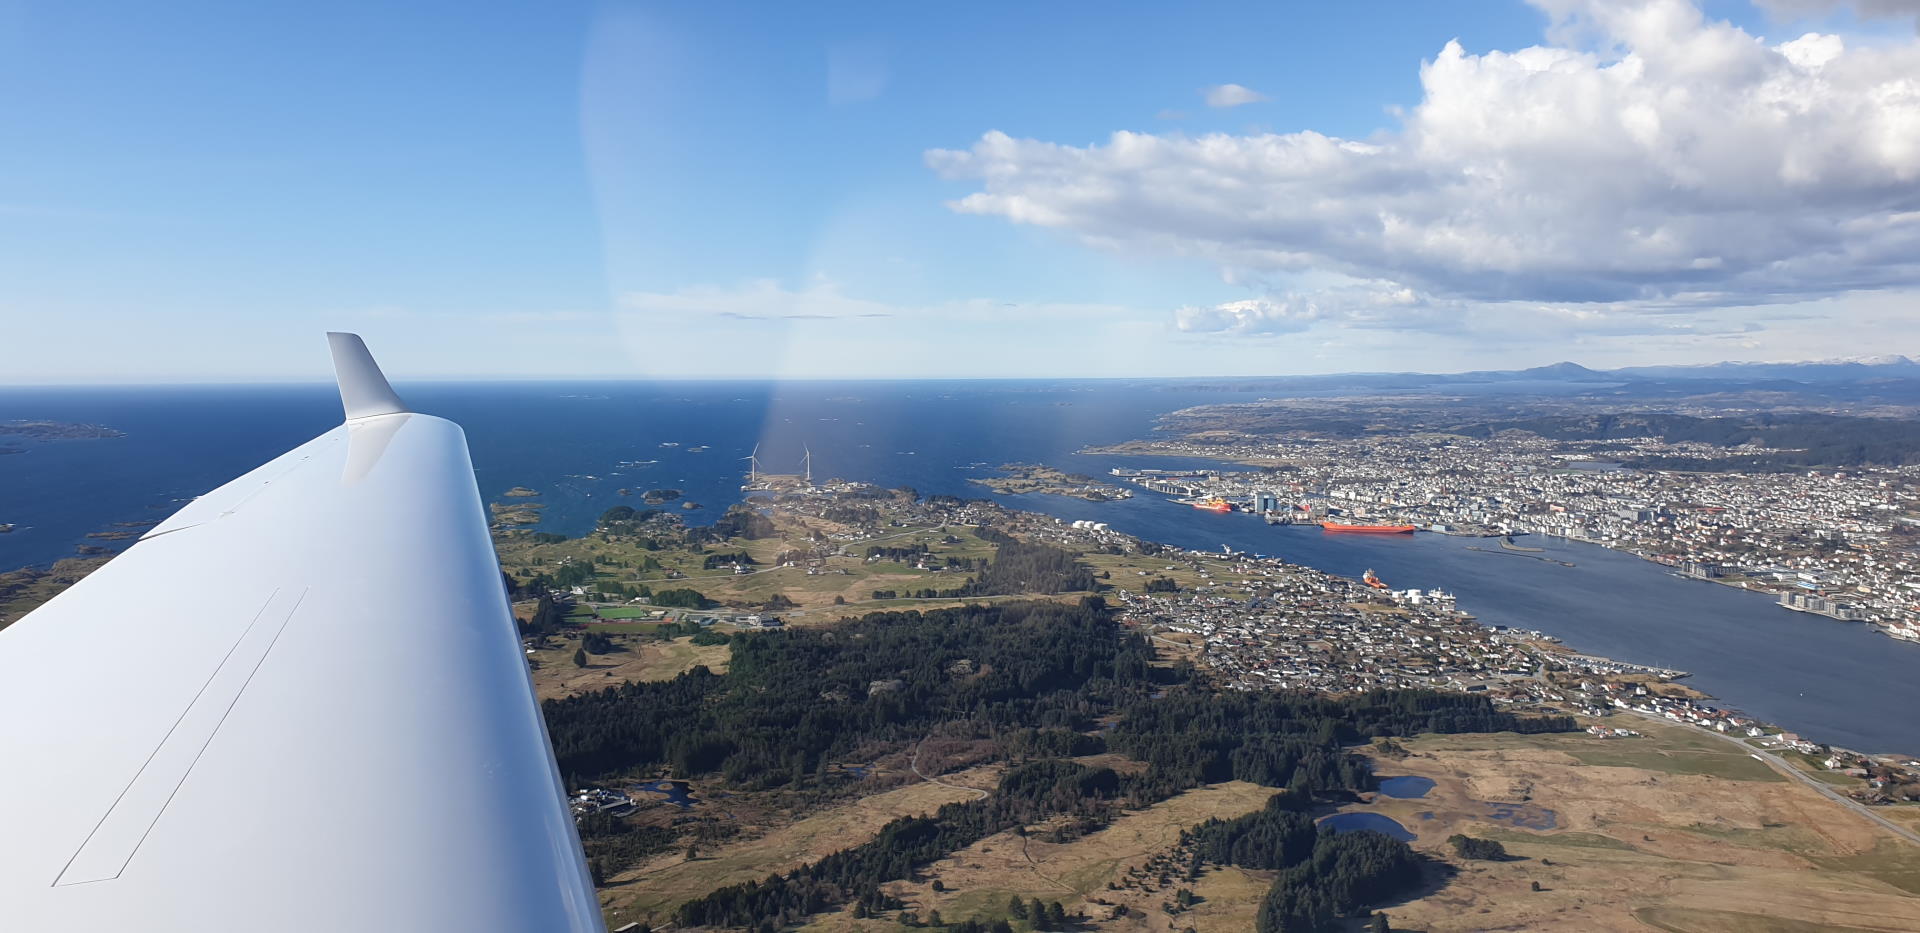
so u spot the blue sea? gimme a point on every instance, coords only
(580, 443)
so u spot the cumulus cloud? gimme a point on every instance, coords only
(1251, 316)
(1664, 162)
(1232, 95)
(1796, 9)
(1385, 306)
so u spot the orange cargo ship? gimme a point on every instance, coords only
(1369, 579)
(1215, 504)
(1367, 529)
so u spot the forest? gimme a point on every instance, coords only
(1024, 567)
(1323, 875)
(1026, 794)
(1295, 740)
(794, 699)
(1037, 677)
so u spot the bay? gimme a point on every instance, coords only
(580, 443)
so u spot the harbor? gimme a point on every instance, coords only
(1824, 680)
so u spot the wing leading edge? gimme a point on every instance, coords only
(298, 704)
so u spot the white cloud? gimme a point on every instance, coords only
(1796, 9)
(1251, 316)
(1232, 95)
(1385, 306)
(1648, 160)
(822, 300)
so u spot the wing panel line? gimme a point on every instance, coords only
(114, 840)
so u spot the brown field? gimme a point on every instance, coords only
(1673, 832)
(643, 660)
(650, 891)
(981, 878)
(1662, 833)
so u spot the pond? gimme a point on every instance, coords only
(676, 792)
(1406, 787)
(1356, 820)
(1523, 815)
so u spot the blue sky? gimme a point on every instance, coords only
(194, 191)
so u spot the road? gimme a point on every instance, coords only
(1781, 765)
(915, 765)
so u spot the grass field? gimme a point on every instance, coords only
(1662, 832)
(980, 879)
(1132, 571)
(650, 891)
(557, 676)
(1688, 920)
(850, 579)
(1667, 832)
(1677, 750)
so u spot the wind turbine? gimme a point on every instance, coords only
(806, 464)
(753, 465)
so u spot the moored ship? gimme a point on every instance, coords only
(1369, 579)
(1340, 528)
(1214, 504)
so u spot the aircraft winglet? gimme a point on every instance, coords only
(364, 391)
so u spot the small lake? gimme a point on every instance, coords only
(1406, 787)
(675, 792)
(1357, 820)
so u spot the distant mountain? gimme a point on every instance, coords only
(1563, 370)
(1873, 375)
(1555, 372)
(1849, 369)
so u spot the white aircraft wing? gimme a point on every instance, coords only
(299, 704)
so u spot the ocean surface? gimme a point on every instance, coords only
(580, 443)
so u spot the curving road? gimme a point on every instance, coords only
(915, 765)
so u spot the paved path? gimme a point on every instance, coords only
(1781, 765)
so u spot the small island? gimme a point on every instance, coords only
(521, 492)
(1022, 478)
(55, 430)
(515, 514)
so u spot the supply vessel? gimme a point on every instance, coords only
(1340, 528)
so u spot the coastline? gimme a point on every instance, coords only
(1149, 449)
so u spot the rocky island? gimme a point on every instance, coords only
(1022, 478)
